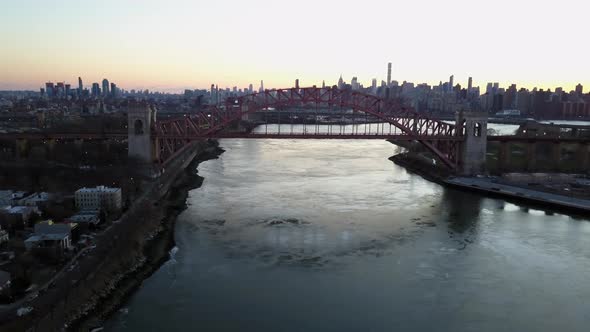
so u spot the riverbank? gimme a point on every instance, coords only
(518, 194)
(157, 249)
(123, 255)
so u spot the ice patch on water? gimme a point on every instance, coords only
(173, 252)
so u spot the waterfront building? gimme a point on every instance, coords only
(101, 197)
(51, 236)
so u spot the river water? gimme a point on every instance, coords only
(329, 235)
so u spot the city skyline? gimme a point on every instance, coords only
(177, 45)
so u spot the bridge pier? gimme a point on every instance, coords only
(142, 145)
(473, 149)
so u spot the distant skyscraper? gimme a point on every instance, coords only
(451, 85)
(490, 88)
(105, 87)
(68, 89)
(323, 84)
(388, 74)
(114, 90)
(60, 89)
(354, 83)
(80, 86)
(340, 82)
(95, 90)
(469, 84)
(297, 84)
(261, 86)
(251, 88)
(579, 89)
(49, 89)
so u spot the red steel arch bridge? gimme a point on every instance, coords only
(372, 118)
(344, 114)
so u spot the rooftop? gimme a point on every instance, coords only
(18, 209)
(98, 189)
(47, 237)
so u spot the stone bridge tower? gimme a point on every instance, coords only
(473, 127)
(141, 117)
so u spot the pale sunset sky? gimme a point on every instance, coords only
(172, 45)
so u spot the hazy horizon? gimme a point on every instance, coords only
(173, 45)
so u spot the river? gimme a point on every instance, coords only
(329, 235)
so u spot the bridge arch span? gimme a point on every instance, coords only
(437, 136)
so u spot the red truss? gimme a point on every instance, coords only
(438, 136)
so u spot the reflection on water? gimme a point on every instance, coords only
(329, 235)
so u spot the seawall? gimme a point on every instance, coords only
(542, 200)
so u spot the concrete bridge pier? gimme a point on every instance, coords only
(473, 127)
(142, 146)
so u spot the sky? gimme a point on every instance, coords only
(176, 44)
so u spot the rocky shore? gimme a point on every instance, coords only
(414, 163)
(156, 250)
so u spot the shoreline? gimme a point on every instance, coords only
(433, 174)
(156, 250)
(124, 254)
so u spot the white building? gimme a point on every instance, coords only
(100, 197)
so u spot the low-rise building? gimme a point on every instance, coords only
(11, 197)
(5, 197)
(16, 216)
(85, 219)
(101, 197)
(51, 236)
(36, 200)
